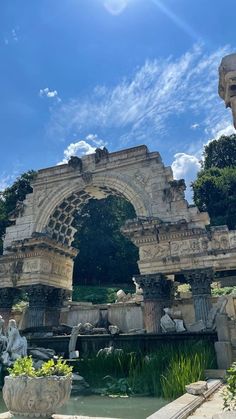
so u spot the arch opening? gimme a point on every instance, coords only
(105, 255)
(61, 226)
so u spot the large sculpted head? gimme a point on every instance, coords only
(227, 82)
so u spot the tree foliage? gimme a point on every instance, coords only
(105, 255)
(220, 153)
(9, 198)
(215, 187)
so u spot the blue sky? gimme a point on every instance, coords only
(77, 74)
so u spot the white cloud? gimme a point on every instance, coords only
(82, 147)
(186, 166)
(12, 36)
(223, 129)
(144, 107)
(6, 180)
(194, 126)
(49, 93)
(115, 7)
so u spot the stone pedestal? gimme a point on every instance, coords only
(156, 295)
(7, 296)
(200, 282)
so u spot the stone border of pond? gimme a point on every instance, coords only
(8, 415)
(182, 407)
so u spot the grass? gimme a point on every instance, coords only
(96, 295)
(163, 373)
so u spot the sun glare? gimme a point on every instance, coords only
(115, 7)
(176, 19)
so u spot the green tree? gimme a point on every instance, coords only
(215, 187)
(220, 153)
(9, 198)
(105, 255)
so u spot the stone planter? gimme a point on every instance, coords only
(36, 396)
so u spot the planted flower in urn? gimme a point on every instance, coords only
(39, 393)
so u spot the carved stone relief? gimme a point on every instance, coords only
(31, 266)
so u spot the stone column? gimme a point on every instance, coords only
(7, 296)
(156, 296)
(200, 282)
(37, 304)
(55, 301)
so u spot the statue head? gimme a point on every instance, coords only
(227, 82)
(12, 323)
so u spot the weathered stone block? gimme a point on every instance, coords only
(222, 327)
(196, 388)
(224, 354)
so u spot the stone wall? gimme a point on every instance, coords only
(127, 316)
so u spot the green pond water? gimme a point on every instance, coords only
(112, 407)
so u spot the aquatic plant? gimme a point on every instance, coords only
(164, 372)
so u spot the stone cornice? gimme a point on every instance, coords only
(36, 246)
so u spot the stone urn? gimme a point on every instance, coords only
(36, 396)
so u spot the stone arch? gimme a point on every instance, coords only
(57, 214)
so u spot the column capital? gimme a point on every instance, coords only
(155, 286)
(200, 280)
(38, 295)
(56, 297)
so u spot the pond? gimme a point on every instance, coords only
(113, 407)
(110, 407)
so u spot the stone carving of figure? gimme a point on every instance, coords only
(76, 163)
(16, 345)
(101, 153)
(73, 339)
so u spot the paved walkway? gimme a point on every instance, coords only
(211, 407)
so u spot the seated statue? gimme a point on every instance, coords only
(16, 345)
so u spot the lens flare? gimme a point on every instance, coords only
(177, 20)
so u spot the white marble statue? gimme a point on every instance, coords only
(73, 339)
(16, 345)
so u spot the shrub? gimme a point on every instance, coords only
(25, 367)
(229, 394)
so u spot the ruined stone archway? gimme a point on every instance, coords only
(170, 234)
